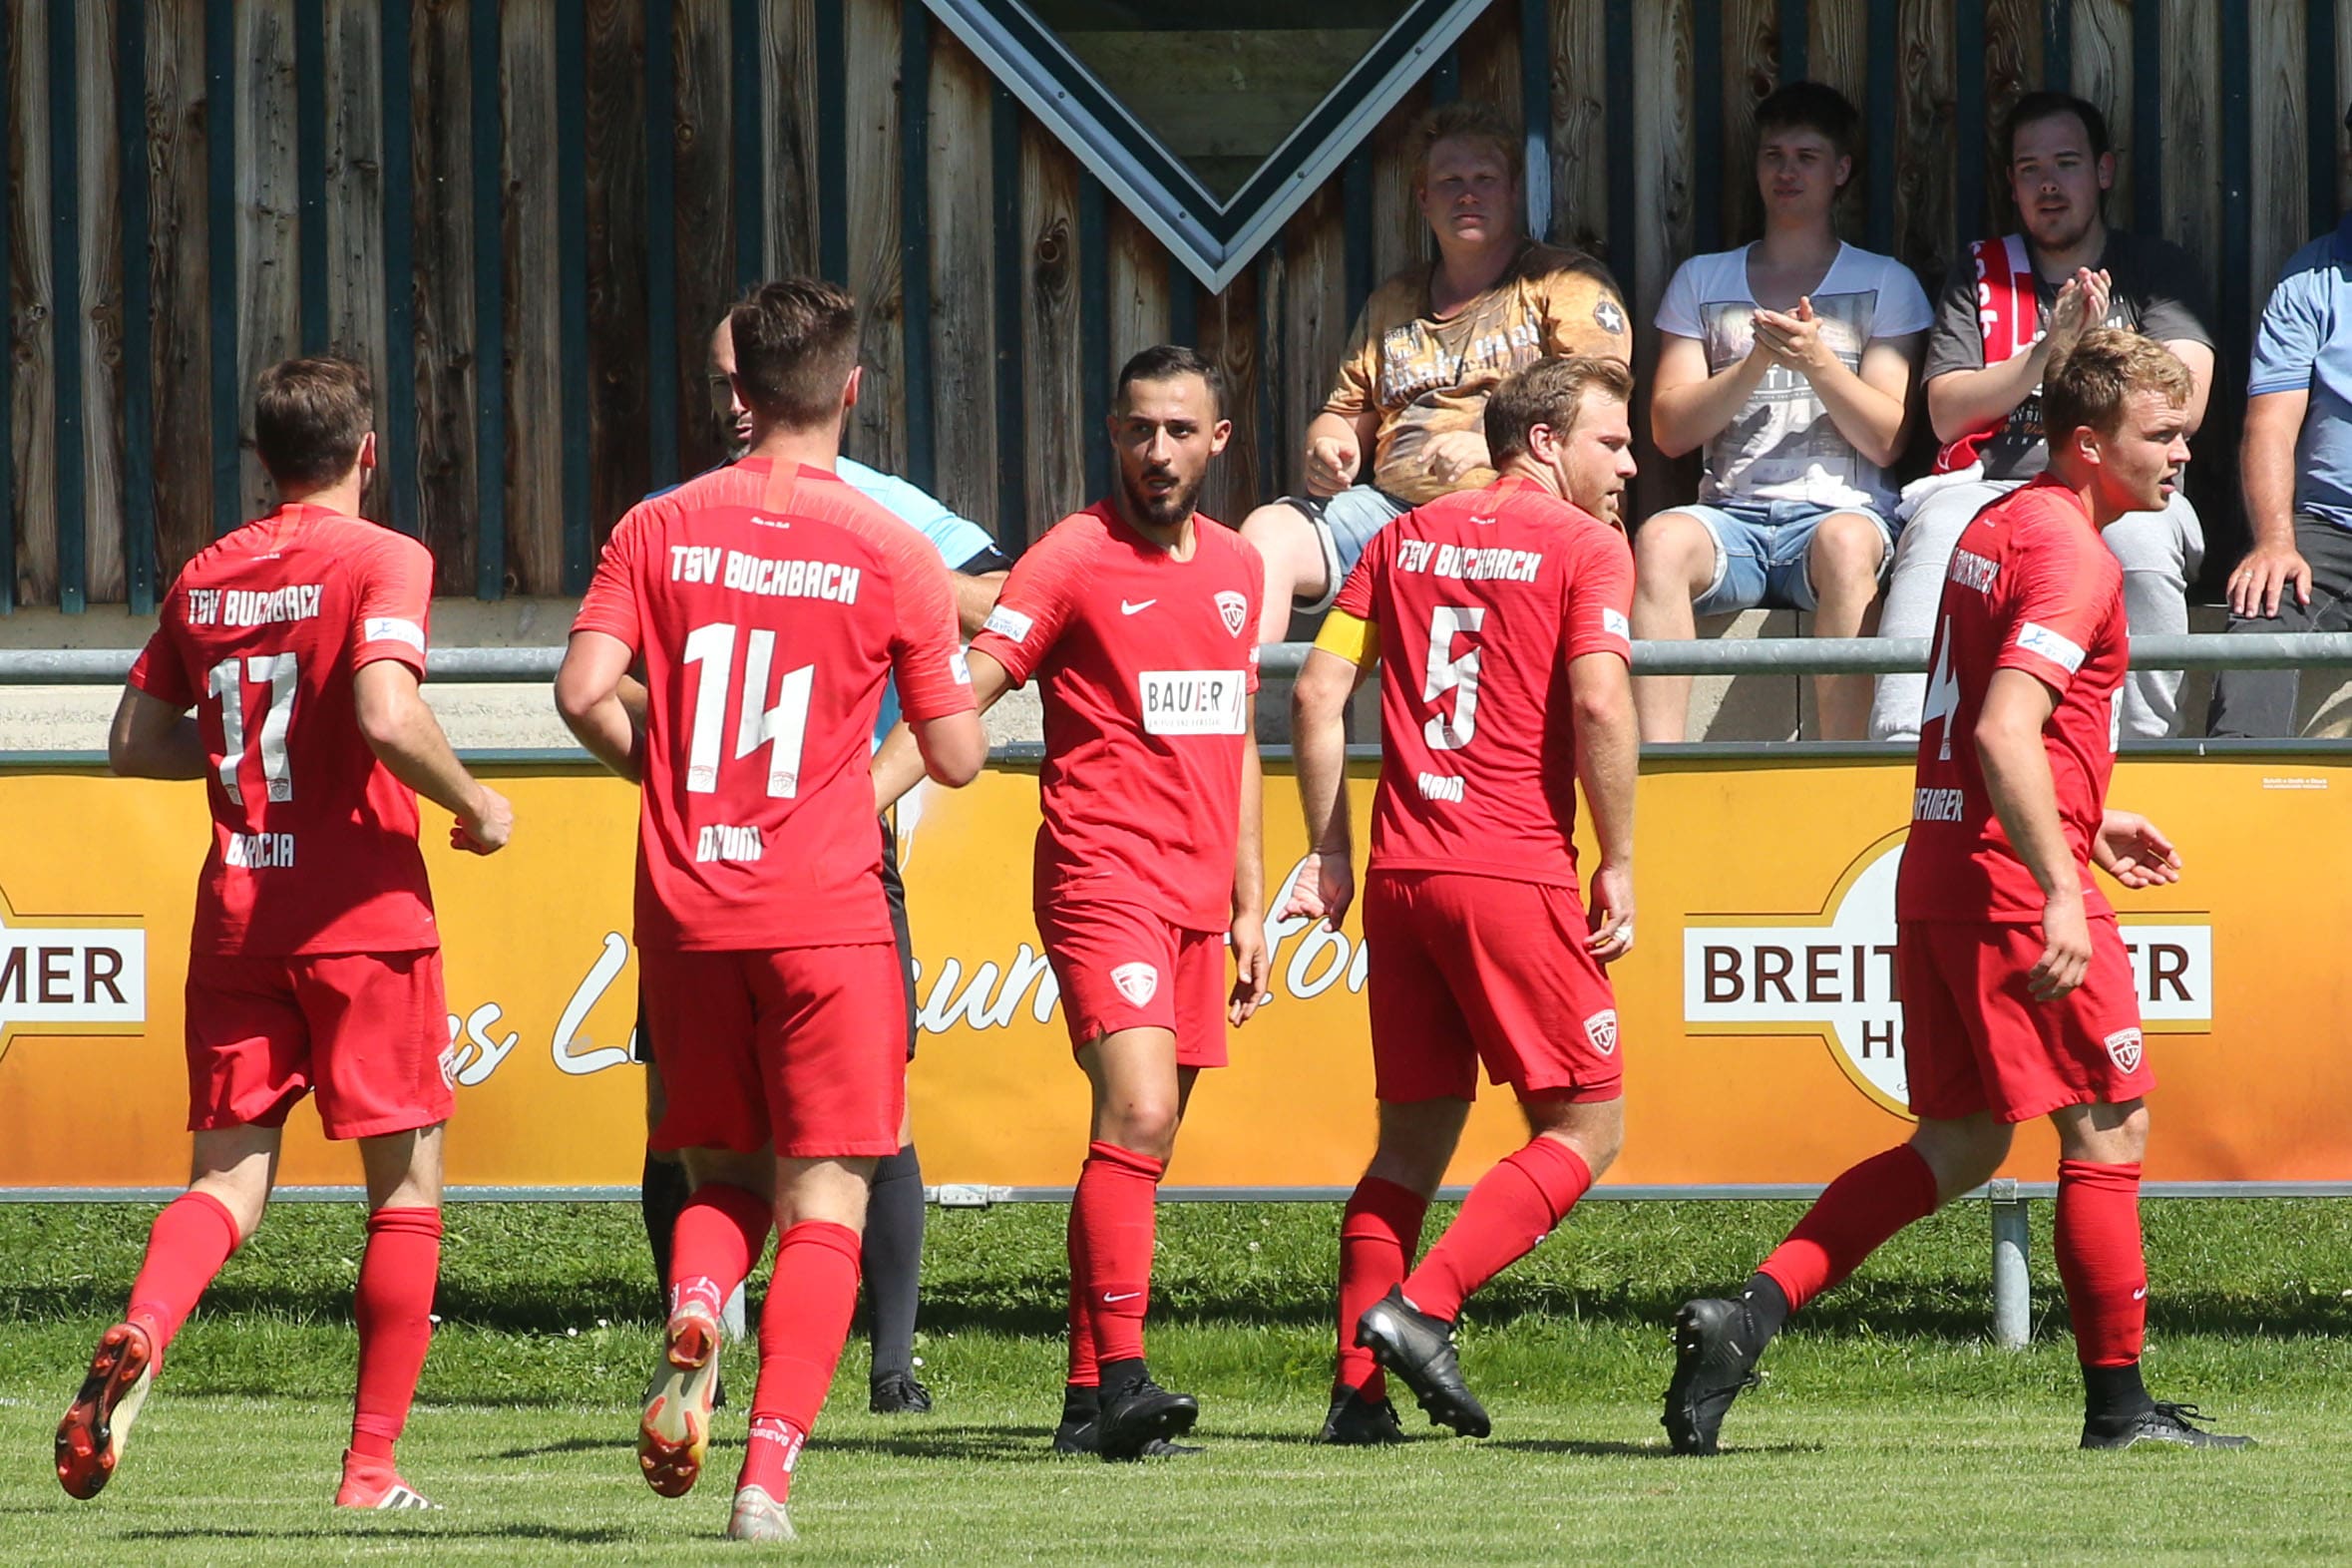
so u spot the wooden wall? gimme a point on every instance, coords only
(524, 215)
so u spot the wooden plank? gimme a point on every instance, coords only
(1661, 171)
(1228, 340)
(355, 199)
(1751, 70)
(537, 399)
(1052, 371)
(1580, 154)
(2102, 72)
(181, 281)
(2343, 83)
(1490, 60)
(1309, 331)
(788, 118)
(444, 228)
(706, 215)
(1139, 292)
(877, 432)
(103, 387)
(1837, 50)
(485, 196)
(619, 465)
(2279, 146)
(268, 247)
(1924, 97)
(1401, 237)
(2192, 130)
(32, 307)
(2013, 68)
(963, 259)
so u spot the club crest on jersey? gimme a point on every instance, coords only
(2125, 1048)
(449, 1065)
(1138, 982)
(1601, 1029)
(1233, 610)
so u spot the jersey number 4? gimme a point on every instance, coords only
(1458, 674)
(278, 674)
(782, 728)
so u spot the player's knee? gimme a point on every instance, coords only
(1145, 1124)
(1963, 1155)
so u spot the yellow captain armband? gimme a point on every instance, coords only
(1356, 642)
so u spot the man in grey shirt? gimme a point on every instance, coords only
(1985, 357)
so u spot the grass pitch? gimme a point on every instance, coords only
(1889, 1429)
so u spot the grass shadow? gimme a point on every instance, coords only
(579, 1535)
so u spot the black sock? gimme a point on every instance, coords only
(1118, 1374)
(893, 1260)
(663, 1192)
(2114, 1396)
(1080, 1402)
(1768, 1307)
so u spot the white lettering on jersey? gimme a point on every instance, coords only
(1936, 805)
(1972, 570)
(720, 842)
(392, 629)
(259, 851)
(772, 578)
(1192, 701)
(1011, 625)
(2035, 637)
(253, 607)
(1468, 563)
(694, 563)
(1440, 786)
(204, 606)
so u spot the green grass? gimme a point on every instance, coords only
(1890, 1431)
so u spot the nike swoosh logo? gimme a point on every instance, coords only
(2140, 1294)
(1126, 1296)
(1126, 609)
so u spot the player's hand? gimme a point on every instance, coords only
(1613, 911)
(2128, 848)
(1332, 463)
(1323, 888)
(1251, 965)
(2066, 948)
(486, 827)
(2260, 581)
(1456, 453)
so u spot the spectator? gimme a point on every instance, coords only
(1432, 343)
(2011, 307)
(1793, 361)
(2296, 467)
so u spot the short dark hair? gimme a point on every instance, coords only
(2089, 383)
(1811, 106)
(2049, 105)
(309, 417)
(796, 342)
(1549, 392)
(1165, 362)
(1466, 120)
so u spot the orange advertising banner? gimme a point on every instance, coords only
(1762, 1040)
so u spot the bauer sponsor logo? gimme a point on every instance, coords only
(70, 975)
(1138, 982)
(1192, 701)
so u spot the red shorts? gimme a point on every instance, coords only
(369, 1032)
(1469, 968)
(1975, 1039)
(1121, 967)
(802, 1048)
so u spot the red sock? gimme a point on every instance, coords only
(1850, 1221)
(1378, 1234)
(1515, 1206)
(2100, 1259)
(1111, 1218)
(719, 1236)
(394, 1305)
(1085, 1369)
(192, 1239)
(802, 1326)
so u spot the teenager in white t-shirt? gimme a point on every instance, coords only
(1795, 362)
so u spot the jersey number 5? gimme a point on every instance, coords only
(279, 674)
(783, 728)
(1446, 673)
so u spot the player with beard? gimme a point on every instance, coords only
(1498, 617)
(1139, 616)
(2018, 997)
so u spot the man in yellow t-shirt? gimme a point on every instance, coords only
(1405, 423)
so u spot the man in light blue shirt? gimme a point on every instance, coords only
(2295, 464)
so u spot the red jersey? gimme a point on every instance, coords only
(2031, 586)
(1148, 663)
(770, 606)
(315, 844)
(1481, 600)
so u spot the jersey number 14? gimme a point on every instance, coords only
(782, 728)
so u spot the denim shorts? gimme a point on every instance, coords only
(1344, 525)
(1761, 549)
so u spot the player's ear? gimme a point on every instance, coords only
(367, 452)
(2107, 170)
(1219, 434)
(848, 388)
